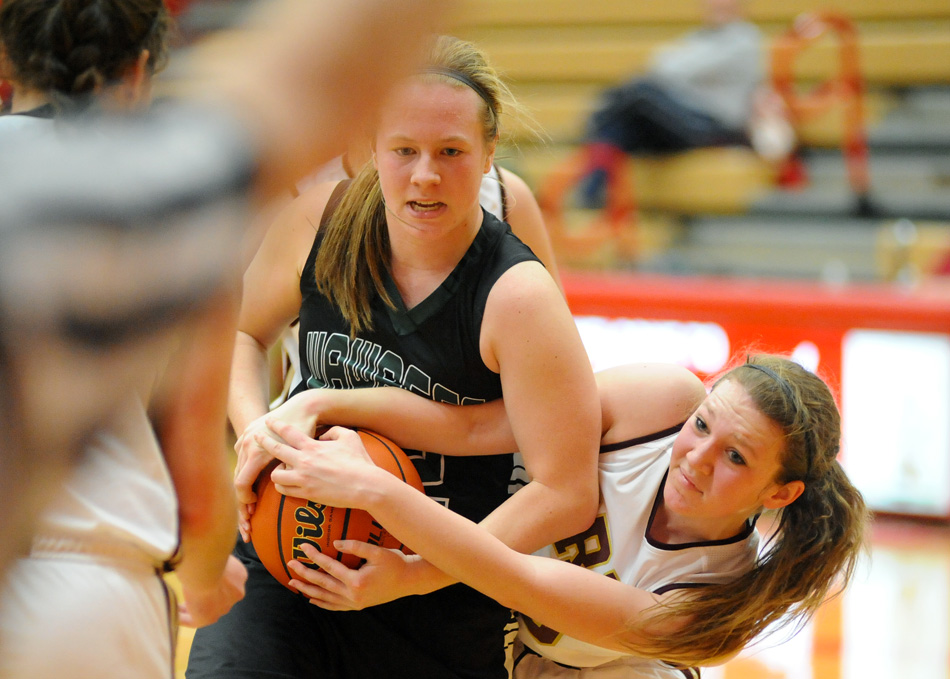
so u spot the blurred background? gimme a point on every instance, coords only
(837, 251)
(825, 234)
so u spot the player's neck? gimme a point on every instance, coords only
(27, 100)
(675, 529)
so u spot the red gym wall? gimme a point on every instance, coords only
(778, 317)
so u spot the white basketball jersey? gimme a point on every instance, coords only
(616, 545)
(490, 195)
(120, 498)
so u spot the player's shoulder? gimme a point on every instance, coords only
(639, 399)
(513, 182)
(312, 202)
(525, 288)
(299, 220)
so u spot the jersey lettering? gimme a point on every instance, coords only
(310, 519)
(363, 356)
(389, 370)
(588, 549)
(443, 395)
(432, 471)
(338, 362)
(325, 357)
(417, 381)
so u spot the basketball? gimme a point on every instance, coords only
(281, 524)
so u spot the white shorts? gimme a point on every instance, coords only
(85, 617)
(530, 665)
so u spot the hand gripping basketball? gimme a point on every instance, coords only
(281, 524)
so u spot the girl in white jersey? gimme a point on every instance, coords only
(688, 583)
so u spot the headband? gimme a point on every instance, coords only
(464, 79)
(786, 387)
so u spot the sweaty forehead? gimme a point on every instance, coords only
(422, 98)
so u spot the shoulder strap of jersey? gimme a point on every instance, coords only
(505, 207)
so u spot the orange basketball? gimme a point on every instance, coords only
(280, 524)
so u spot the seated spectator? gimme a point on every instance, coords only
(697, 92)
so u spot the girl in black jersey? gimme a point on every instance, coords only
(400, 278)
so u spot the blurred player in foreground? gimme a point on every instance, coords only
(121, 238)
(114, 527)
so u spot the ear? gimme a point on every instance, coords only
(785, 495)
(136, 81)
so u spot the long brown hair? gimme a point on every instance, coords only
(70, 49)
(810, 556)
(355, 250)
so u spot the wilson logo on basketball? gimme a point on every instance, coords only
(281, 525)
(310, 520)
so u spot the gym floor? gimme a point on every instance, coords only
(893, 622)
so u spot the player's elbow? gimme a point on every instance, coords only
(585, 488)
(580, 503)
(587, 511)
(578, 492)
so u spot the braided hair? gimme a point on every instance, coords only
(71, 49)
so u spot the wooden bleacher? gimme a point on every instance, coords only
(559, 55)
(488, 13)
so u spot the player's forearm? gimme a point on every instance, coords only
(535, 516)
(562, 497)
(207, 537)
(451, 544)
(370, 408)
(573, 600)
(193, 434)
(249, 385)
(207, 505)
(538, 515)
(422, 578)
(411, 421)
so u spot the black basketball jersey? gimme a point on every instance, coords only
(431, 349)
